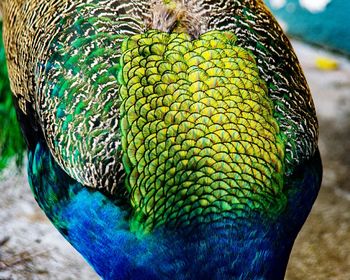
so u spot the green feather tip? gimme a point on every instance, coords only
(11, 140)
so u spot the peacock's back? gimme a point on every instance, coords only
(165, 137)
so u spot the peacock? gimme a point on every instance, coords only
(166, 139)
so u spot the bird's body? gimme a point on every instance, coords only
(167, 139)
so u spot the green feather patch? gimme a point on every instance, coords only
(198, 134)
(11, 140)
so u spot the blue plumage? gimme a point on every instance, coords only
(97, 228)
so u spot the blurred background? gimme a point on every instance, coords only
(322, 250)
(321, 22)
(30, 248)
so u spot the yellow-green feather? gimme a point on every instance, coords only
(198, 133)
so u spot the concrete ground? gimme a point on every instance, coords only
(30, 248)
(322, 250)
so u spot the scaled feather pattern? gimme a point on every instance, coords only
(166, 139)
